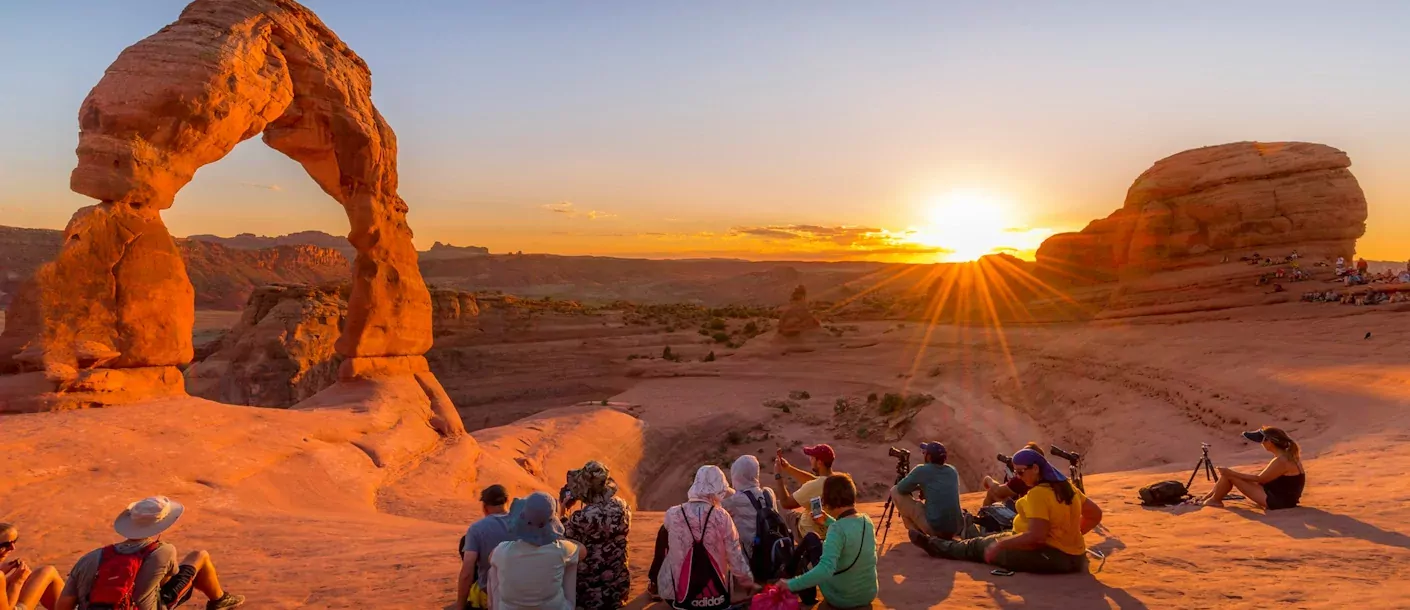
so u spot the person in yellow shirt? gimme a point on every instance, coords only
(1047, 536)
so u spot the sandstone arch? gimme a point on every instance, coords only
(117, 298)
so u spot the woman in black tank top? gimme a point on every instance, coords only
(1281, 482)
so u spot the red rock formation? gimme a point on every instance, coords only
(1193, 208)
(796, 319)
(279, 353)
(452, 309)
(182, 98)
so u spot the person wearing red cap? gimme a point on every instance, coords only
(812, 529)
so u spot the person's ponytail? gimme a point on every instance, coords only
(1284, 444)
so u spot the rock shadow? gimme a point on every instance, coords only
(1305, 523)
(906, 573)
(1060, 591)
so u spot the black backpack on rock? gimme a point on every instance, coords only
(771, 551)
(1164, 493)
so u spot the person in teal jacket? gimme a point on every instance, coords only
(846, 574)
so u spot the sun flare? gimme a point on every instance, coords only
(969, 224)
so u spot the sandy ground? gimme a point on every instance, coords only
(297, 516)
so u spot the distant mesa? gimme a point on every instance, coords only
(440, 251)
(223, 275)
(1194, 208)
(250, 241)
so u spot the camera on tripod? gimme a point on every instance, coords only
(1071, 456)
(1074, 465)
(903, 461)
(903, 468)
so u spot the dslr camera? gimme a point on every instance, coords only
(900, 454)
(1006, 460)
(1071, 456)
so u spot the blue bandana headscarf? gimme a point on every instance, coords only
(1029, 457)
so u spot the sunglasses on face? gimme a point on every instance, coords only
(9, 545)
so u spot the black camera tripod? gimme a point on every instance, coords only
(903, 467)
(1074, 466)
(1210, 472)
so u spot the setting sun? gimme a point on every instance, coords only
(969, 224)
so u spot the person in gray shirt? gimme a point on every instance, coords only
(480, 540)
(160, 583)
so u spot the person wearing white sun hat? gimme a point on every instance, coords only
(141, 572)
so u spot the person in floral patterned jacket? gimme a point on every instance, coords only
(600, 524)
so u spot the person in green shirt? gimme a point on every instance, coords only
(846, 572)
(939, 513)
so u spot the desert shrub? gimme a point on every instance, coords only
(862, 432)
(704, 332)
(787, 406)
(751, 328)
(666, 354)
(717, 324)
(604, 402)
(871, 398)
(799, 395)
(721, 337)
(840, 406)
(891, 403)
(734, 437)
(710, 357)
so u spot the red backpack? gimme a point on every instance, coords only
(117, 577)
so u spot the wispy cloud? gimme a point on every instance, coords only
(268, 187)
(566, 208)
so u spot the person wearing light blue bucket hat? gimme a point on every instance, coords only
(538, 568)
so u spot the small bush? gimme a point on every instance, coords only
(862, 432)
(751, 328)
(735, 437)
(666, 354)
(717, 324)
(710, 357)
(704, 332)
(871, 398)
(840, 406)
(799, 395)
(891, 403)
(604, 402)
(721, 337)
(787, 406)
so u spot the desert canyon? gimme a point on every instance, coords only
(329, 410)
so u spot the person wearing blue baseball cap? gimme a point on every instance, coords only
(938, 514)
(1047, 536)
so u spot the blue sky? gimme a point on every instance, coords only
(679, 123)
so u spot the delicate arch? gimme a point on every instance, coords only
(117, 298)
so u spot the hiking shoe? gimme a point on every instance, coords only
(230, 600)
(921, 540)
